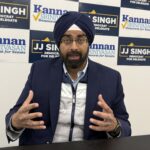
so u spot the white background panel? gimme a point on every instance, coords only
(14, 34)
(55, 5)
(133, 29)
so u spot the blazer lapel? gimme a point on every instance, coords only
(55, 90)
(93, 90)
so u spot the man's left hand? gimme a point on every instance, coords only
(107, 121)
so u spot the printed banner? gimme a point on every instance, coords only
(42, 46)
(44, 14)
(137, 4)
(104, 50)
(115, 3)
(133, 51)
(134, 23)
(14, 47)
(105, 19)
(14, 14)
(31, 22)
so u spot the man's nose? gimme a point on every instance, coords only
(74, 45)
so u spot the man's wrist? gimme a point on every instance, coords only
(12, 133)
(117, 130)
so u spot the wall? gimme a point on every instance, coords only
(14, 68)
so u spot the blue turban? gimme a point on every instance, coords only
(70, 18)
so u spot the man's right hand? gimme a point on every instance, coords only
(24, 119)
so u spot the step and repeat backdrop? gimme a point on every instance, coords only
(122, 29)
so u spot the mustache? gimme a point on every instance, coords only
(73, 53)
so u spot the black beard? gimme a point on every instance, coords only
(73, 64)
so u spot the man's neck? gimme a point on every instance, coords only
(74, 71)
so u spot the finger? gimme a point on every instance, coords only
(31, 116)
(34, 124)
(38, 127)
(100, 123)
(27, 108)
(97, 128)
(29, 98)
(104, 105)
(31, 123)
(103, 115)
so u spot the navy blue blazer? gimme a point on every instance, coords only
(45, 80)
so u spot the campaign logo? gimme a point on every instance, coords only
(134, 51)
(14, 14)
(104, 18)
(44, 14)
(102, 50)
(138, 4)
(42, 46)
(135, 23)
(12, 45)
(103, 21)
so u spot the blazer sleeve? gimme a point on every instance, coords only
(119, 109)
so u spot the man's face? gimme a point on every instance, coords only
(74, 49)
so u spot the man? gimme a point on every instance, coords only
(69, 98)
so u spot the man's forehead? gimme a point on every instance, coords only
(74, 33)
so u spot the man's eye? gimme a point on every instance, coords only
(81, 40)
(67, 40)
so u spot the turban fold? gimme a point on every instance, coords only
(70, 18)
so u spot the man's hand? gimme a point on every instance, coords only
(107, 121)
(24, 119)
